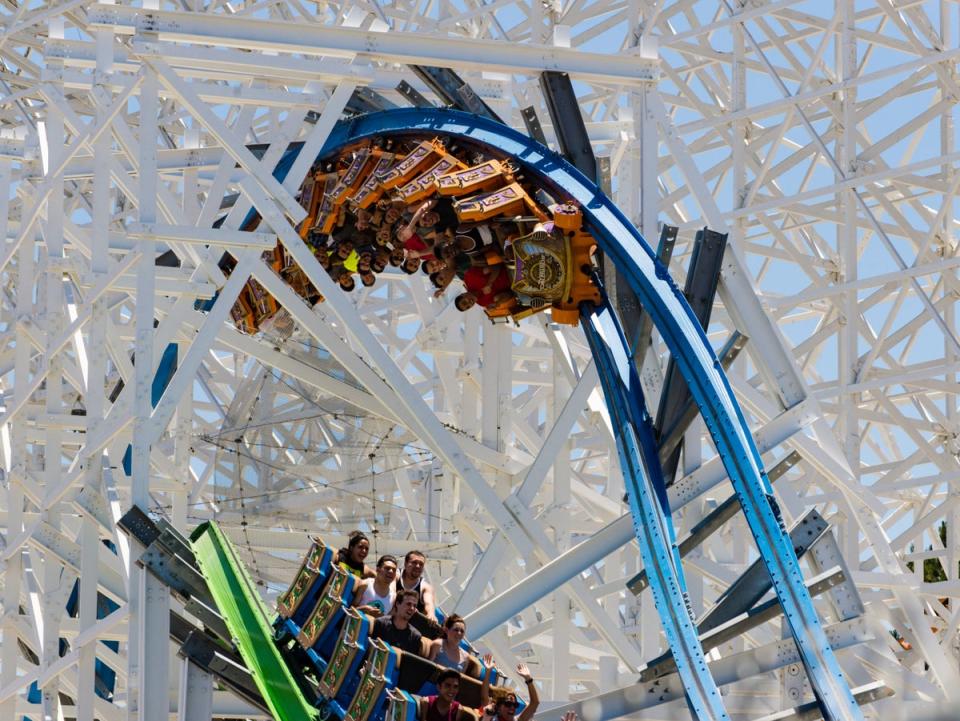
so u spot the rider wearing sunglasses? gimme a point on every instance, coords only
(505, 708)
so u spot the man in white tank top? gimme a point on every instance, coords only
(412, 580)
(374, 596)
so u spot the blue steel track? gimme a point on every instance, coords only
(622, 244)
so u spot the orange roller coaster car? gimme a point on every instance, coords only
(488, 217)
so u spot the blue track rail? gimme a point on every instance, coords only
(639, 460)
(680, 330)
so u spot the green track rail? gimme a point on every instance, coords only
(247, 619)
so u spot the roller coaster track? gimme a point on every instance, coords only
(622, 245)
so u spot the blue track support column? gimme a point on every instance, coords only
(640, 463)
(620, 240)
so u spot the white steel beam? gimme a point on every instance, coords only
(406, 48)
(840, 331)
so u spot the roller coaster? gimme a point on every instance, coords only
(531, 226)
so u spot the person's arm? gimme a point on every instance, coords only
(492, 278)
(369, 610)
(466, 714)
(422, 645)
(472, 666)
(358, 594)
(406, 231)
(368, 572)
(426, 595)
(485, 686)
(531, 708)
(434, 649)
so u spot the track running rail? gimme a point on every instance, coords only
(639, 460)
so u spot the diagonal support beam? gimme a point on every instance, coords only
(620, 532)
(714, 521)
(736, 667)
(523, 496)
(454, 90)
(412, 409)
(233, 144)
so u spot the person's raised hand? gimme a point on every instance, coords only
(524, 672)
(569, 716)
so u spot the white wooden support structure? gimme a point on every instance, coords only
(822, 137)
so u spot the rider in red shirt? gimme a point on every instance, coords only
(485, 286)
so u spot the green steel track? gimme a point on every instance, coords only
(247, 619)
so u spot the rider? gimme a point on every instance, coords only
(505, 708)
(443, 706)
(485, 287)
(446, 651)
(395, 629)
(351, 558)
(412, 580)
(375, 596)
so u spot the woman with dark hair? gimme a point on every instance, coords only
(351, 558)
(445, 651)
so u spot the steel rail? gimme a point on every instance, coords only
(643, 476)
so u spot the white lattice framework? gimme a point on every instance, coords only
(820, 135)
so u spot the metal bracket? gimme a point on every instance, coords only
(868, 693)
(568, 122)
(534, 128)
(755, 581)
(413, 96)
(224, 665)
(845, 598)
(182, 578)
(365, 100)
(672, 435)
(703, 276)
(137, 524)
(454, 90)
(743, 623)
